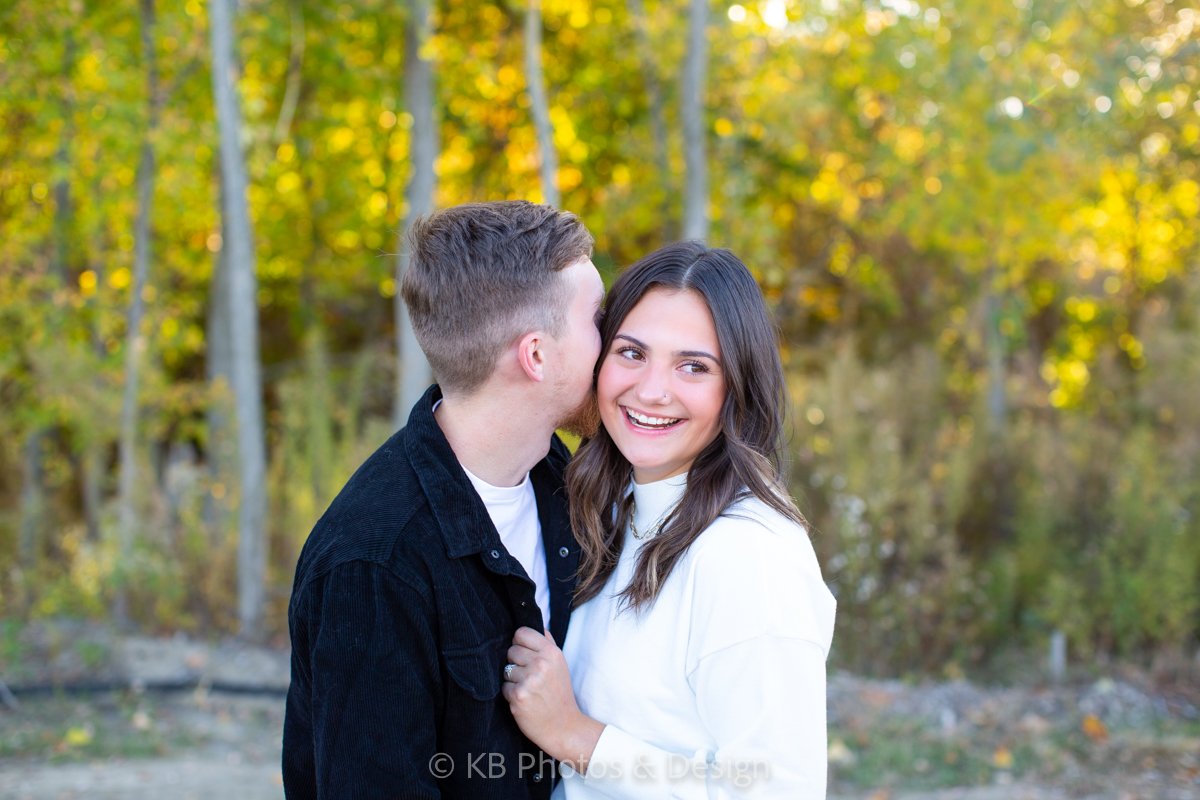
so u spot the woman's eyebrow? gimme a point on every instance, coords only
(677, 354)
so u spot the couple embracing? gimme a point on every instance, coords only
(665, 558)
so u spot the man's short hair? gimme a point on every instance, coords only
(482, 274)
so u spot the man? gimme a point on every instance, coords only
(455, 532)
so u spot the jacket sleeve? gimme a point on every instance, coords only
(366, 690)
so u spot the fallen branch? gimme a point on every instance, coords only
(7, 698)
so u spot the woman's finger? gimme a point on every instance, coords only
(512, 673)
(528, 637)
(548, 642)
(520, 656)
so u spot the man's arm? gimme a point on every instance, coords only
(374, 692)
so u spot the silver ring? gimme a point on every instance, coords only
(508, 671)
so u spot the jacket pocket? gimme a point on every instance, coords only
(478, 670)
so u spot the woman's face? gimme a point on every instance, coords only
(661, 385)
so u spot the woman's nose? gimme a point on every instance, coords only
(654, 386)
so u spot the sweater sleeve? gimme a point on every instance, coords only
(624, 767)
(766, 699)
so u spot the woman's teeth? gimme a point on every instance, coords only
(643, 421)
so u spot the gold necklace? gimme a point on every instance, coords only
(654, 530)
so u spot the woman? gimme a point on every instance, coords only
(697, 648)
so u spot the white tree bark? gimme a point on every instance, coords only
(221, 451)
(654, 98)
(695, 195)
(135, 341)
(535, 79)
(412, 368)
(243, 323)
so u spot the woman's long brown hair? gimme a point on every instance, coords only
(743, 460)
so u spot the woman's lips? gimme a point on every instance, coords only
(649, 422)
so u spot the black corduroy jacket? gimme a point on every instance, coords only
(404, 604)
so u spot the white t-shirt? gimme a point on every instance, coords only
(514, 512)
(717, 690)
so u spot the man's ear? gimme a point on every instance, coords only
(531, 355)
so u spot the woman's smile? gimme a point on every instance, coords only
(647, 422)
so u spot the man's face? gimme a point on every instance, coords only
(578, 348)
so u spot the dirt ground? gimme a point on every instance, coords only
(176, 718)
(215, 748)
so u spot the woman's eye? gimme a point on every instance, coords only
(628, 352)
(694, 368)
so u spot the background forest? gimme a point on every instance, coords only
(975, 222)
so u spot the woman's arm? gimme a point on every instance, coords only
(762, 623)
(764, 701)
(614, 763)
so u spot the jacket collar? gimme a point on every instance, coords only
(460, 513)
(463, 520)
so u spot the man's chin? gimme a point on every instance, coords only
(584, 421)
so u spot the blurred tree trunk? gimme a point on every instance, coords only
(221, 451)
(92, 467)
(33, 499)
(63, 211)
(135, 341)
(31, 526)
(320, 412)
(658, 122)
(695, 195)
(291, 95)
(412, 369)
(535, 79)
(95, 445)
(91, 459)
(243, 327)
(319, 445)
(989, 519)
(997, 396)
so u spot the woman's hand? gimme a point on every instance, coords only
(538, 690)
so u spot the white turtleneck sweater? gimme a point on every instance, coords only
(718, 689)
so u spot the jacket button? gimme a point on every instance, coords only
(537, 777)
(495, 554)
(524, 604)
(564, 552)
